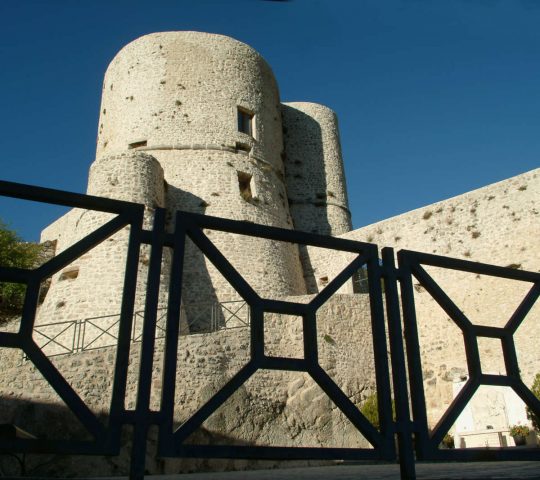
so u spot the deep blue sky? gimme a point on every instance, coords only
(434, 98)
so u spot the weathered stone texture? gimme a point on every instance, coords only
(92, 285)
(176, 96)
(316, 189)
(498, 224)
(272, 408)
(179, 93)
(168, 137)
(183, 88)
(314, 169)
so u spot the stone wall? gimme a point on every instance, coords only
(170, 135)
(272, 408)
(92, 285)
(181, 94)
(316, 189)
(498, 224)
(184, 88)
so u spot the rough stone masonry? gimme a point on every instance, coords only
(193, 121)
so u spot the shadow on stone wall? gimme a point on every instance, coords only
(277, 408)
(198, 292)
(49, 421)
(306, 180)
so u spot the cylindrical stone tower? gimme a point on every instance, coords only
(314, 169)
(92, 285)
(207, 108)
(135, 177)
(317, 192)
(132, 176)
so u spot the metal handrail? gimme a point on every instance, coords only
(222, 314)
(233, 315)
(106, 331)
(53, 339)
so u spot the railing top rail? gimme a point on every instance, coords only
(65, 198)
(459, 264)
(275, 233)
(54, 324)
(113, 315)
(78, 200)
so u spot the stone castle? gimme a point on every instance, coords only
(193, 121)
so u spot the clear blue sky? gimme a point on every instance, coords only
(434, 97)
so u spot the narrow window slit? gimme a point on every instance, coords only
(244, 185)
(141, 143)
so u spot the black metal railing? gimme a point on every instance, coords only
(73, 336)
(393, 322)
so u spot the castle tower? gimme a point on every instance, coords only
(314, 175)
(207, 108)
(314, 166)
(193, 121)
(92, 286)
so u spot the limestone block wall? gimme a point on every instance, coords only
(272, 268)
(184, 88)
(91, 285)
(132, 176)
(272, 408)
(498, 224)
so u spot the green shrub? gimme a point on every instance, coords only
(14, 253)
(448, 441)
(535, 389)
(370, 410)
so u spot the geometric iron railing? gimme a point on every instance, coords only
(393, 321)
(427, 442)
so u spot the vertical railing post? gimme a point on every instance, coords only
(399, 374)
(83, 335)
(414, 363)
(380, 354)
(142, 410)
(74, 339)
(77, 334)
(175, 311)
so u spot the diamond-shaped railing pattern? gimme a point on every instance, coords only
(386, 323)
(427, 444)
(172, 443)
(106, 439)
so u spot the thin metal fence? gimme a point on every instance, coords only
(73, 336)
(59, 338)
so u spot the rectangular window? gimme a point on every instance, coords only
(70, 273)
(245, 121)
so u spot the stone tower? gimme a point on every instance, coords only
(199, 116)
